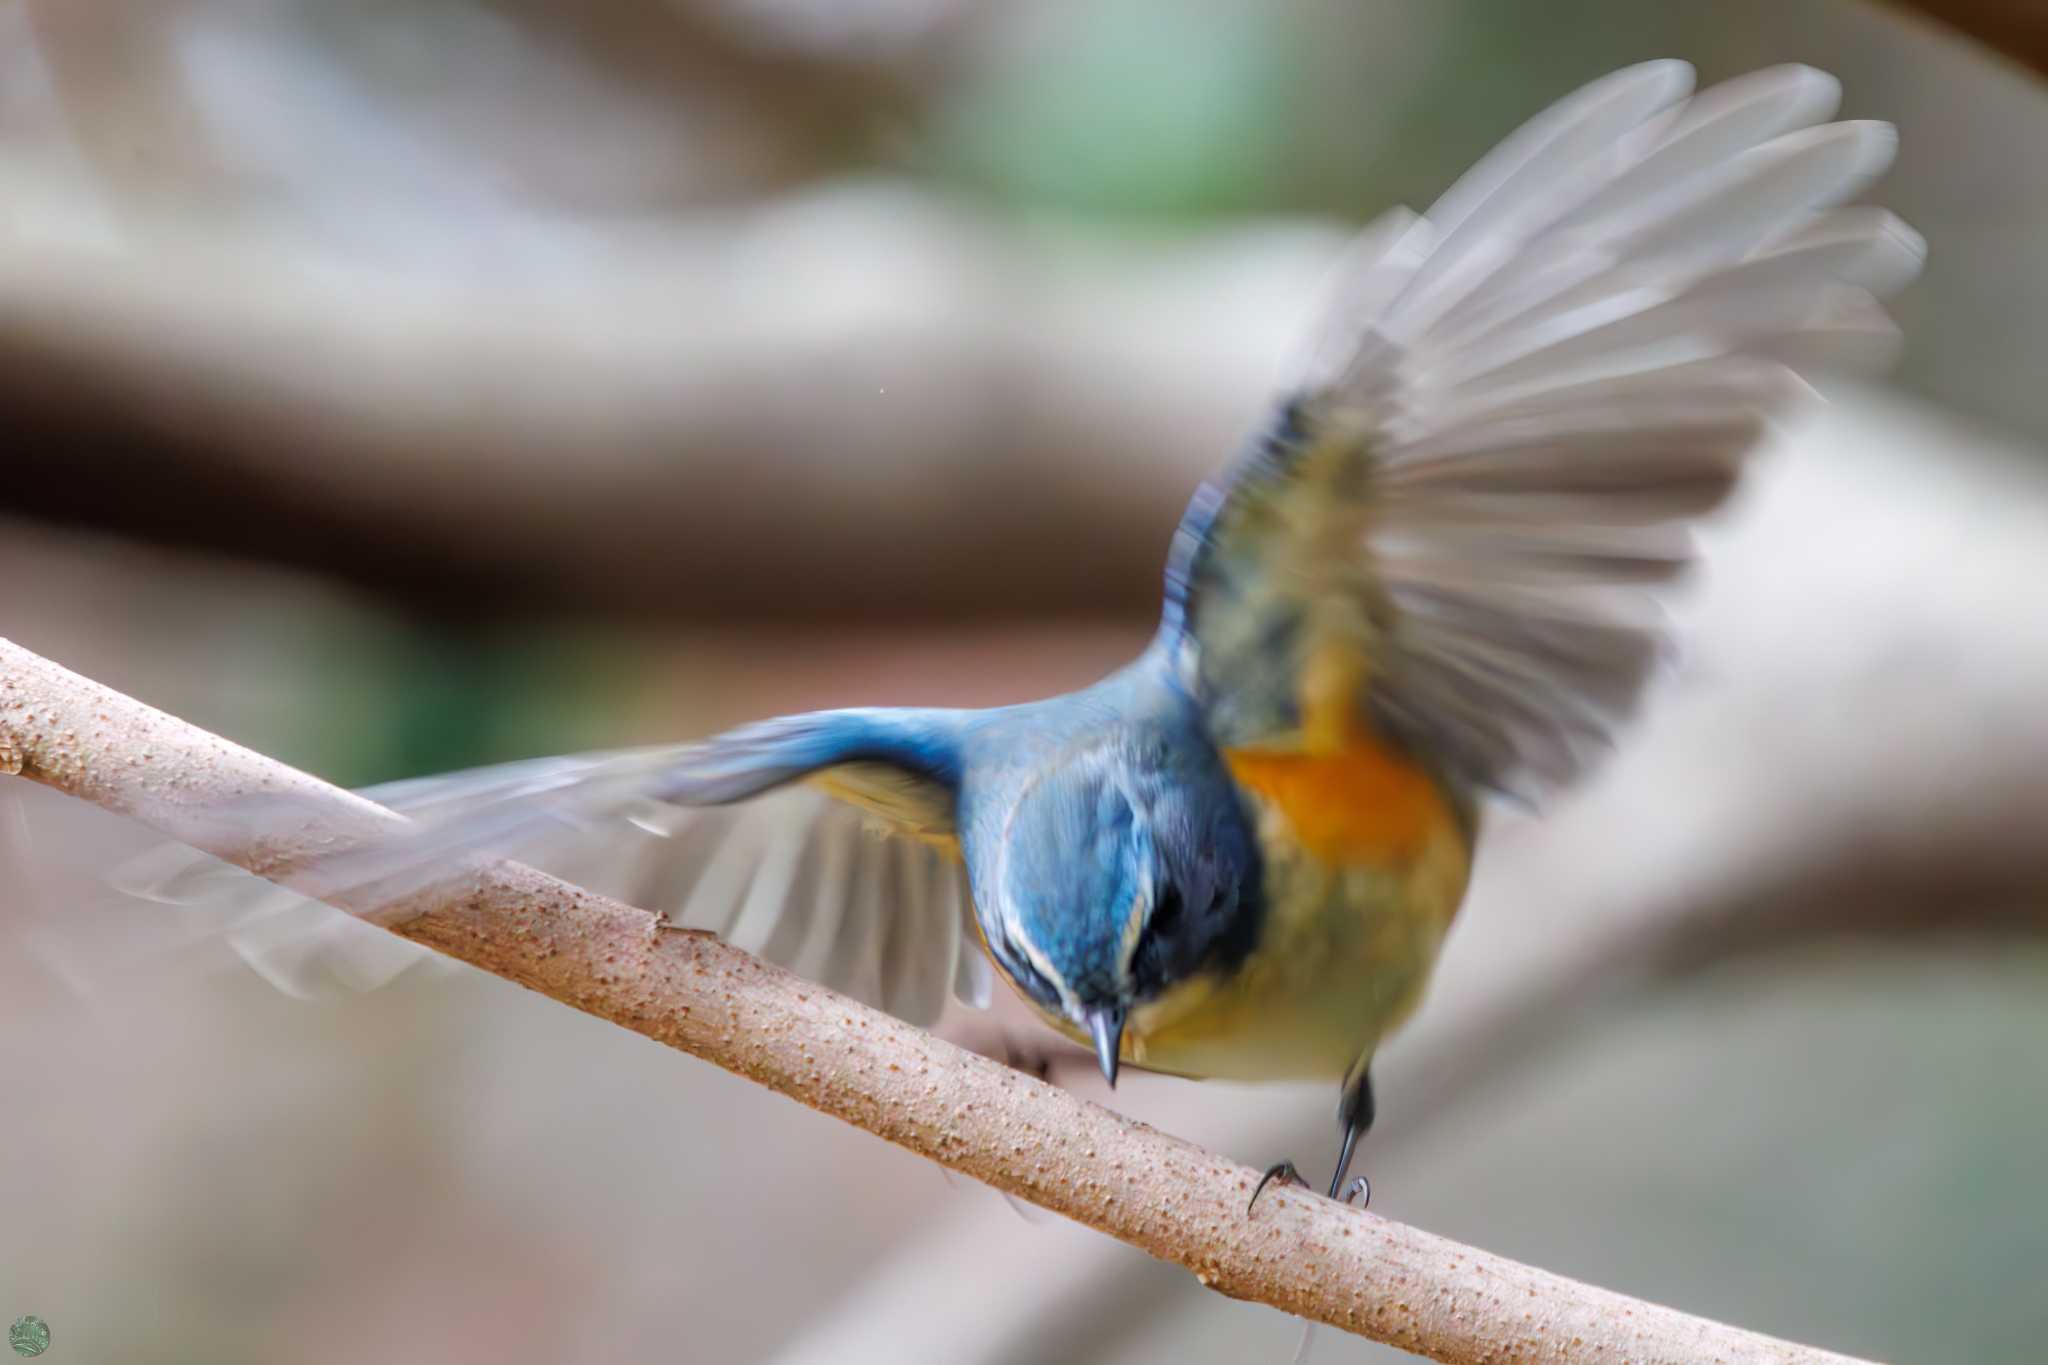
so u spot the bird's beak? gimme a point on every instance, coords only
(1108, 1027)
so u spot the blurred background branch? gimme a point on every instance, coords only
(2011, 28)
(822, 406)
(718, 311)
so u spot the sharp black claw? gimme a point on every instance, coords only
(1282, 1171)
(1359, 1189)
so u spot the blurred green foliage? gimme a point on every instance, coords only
(1164, 109)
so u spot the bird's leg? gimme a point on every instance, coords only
(1355, 1112)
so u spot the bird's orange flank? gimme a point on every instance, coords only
(1362, 803)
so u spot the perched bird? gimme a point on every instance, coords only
(1424, 584)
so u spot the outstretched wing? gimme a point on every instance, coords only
(1518, 401)
(824, 843)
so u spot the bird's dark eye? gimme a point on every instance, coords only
(1161, 944)
(1167, 912)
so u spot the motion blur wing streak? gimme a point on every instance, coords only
(815, 883)
(1511, 407)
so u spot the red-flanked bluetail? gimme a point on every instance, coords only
(1429, 580)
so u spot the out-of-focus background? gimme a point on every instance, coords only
(399, 387)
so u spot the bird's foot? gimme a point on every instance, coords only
(1355, 1111)
(1282, 1171)
(1358, 1192)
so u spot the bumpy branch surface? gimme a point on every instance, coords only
(1298, 1252)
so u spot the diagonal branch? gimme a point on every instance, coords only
(1300, 1253)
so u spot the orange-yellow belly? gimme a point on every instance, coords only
(1366, 862)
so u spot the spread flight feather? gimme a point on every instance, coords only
(1514, 403)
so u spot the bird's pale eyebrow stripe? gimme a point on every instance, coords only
(1013, 935)
(1004, 839)
(1134, 927)
(1100, 757)
(1044, 966)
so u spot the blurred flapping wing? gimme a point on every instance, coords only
(1515, 404)
(844, 872)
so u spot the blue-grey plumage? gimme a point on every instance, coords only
(1081, 819)
(1239, 856)
(1124, 867)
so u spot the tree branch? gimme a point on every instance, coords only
(1303, 1254)
(1091, 396)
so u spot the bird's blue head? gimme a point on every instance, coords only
(1114, 881)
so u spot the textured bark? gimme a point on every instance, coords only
(1297, 1252)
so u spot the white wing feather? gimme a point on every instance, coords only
(1567, 355)
(793, 875)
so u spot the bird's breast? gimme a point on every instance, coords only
(1366, 860)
